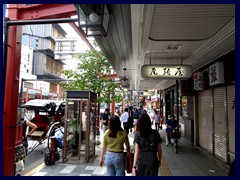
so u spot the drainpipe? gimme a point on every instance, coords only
(177, 98)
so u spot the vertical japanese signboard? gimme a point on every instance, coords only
(216, 74)
(198, 83)
(167, 71)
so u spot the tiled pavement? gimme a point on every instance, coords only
(189, 162)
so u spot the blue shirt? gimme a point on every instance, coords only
(171, 123)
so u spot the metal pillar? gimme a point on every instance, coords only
(10, 99)
(177, 98)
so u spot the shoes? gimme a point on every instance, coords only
(167, 143)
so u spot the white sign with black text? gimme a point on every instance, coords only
(167, 71)
(216, 74)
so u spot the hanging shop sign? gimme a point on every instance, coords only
(167, 71)
(148, 93)
(198, 75)
(216, 74)
(198, 83)
(143, 93)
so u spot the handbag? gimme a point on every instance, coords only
(128, 161)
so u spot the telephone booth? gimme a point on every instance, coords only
(79, 126)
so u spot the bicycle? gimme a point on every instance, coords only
(176, 134)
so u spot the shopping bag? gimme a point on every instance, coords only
(128, 161)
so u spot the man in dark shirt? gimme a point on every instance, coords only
(105, 117)
(171, 124)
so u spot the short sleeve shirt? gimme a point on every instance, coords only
(150, 143)
(124, 117)
(106, 117)
(59, 133)
(171, 123)
(116, 144)
(156, 118)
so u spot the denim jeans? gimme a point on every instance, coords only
(25, 145)
(105, 128)
(115, 164)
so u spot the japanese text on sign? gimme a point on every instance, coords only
(167, 71)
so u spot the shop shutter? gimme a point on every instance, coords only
(220, 139)
(231, 119)
(205, 120)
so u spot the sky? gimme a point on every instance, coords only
(71, 33)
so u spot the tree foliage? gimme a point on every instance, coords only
(91, 74)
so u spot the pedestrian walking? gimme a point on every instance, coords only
(156, 119)
(124, 119)
(105, 117)
(148, 151)
(113, 145)
(135, 118)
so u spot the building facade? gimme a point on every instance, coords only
(38, 58)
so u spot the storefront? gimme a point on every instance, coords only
(216, 110)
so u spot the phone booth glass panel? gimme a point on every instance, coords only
(80, 126)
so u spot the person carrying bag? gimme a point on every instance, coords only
(128, 161)
(113, 145)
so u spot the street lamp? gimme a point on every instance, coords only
(93, 19)
(124, 80)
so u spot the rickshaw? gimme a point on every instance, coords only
(47, 115)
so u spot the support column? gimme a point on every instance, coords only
(10, 96)
(177, 98)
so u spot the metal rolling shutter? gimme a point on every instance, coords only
(220, 140)
(231, 119)
(205, 120)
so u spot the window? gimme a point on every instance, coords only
(25, 39)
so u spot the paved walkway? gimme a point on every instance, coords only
(188, 162)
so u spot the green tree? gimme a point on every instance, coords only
(91, 74)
